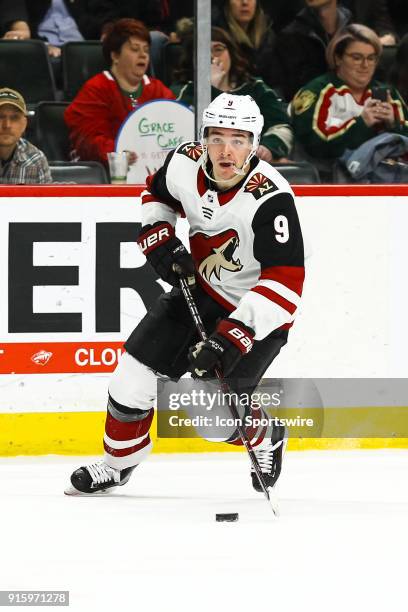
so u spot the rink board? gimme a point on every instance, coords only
(60, 342)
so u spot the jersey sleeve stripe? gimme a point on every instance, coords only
(284, 291)
(275, 297)
(259, 312)
(290, 276)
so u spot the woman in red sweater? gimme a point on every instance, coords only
(97, 112)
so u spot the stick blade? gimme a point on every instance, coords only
(272, 499)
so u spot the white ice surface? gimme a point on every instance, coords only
(340, 543)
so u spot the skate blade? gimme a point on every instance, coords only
(274, 501)
(72, 491)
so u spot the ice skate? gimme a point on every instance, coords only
(269, 454)
(97, 477)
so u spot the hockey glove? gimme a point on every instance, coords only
(223, 349)
(166, 253)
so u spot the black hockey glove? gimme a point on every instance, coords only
(165, 252)
(223, 349)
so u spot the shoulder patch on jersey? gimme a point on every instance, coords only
(259, 185)
(303, 100)
(193, 150)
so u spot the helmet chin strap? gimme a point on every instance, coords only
(237, 171)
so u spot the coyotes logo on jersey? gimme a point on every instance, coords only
(259, 185)
(193, 150)
(215, 253)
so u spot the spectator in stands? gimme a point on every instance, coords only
(375, 15)
(184, 29)
(342, 109)
(398, 76)
(97, 112)
(230, 73)
(61, 21)
(13, 20)
(299, 53)
(21, 163)
(282, 12)
(176, 9)
(156, 14)
(159, 16)
(248, 26)
(57, 22)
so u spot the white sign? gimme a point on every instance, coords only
(351, 321)
(152, 130)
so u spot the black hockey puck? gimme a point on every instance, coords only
(228, 518)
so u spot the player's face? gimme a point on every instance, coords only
(132, 60)
(227, 149)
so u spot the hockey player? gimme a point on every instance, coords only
(247, 269)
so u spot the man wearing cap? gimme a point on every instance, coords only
(21, 163)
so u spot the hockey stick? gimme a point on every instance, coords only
(226, 389)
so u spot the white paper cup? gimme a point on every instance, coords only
(118, 167)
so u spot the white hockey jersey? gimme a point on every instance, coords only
(246, 241)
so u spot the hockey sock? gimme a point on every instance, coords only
(257, 431)
(126, 440)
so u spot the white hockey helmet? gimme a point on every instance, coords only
(231, 111)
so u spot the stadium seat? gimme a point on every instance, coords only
(51, 133)
(298, 173)
(80, 61)
(80, 173)
(172, 53)
(324, 166)
(25, 67)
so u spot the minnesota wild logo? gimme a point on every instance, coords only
(303, 100)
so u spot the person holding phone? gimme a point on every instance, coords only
(344, 108)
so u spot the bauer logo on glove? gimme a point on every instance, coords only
(223, 349)
(166, 253)
(154, 237)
